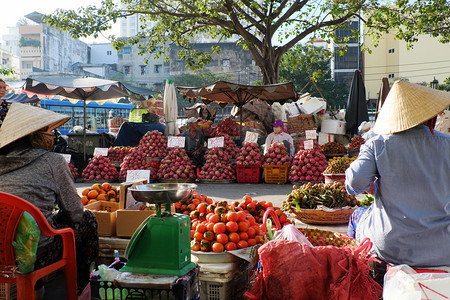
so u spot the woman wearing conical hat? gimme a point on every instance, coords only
(409, 164)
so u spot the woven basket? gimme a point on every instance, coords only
(321, 217)
(319, 237)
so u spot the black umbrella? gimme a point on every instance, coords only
(384, 90)
(356, 111)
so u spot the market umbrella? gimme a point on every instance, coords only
(81, 88)
(223, 93)
(384, 90)
(170, 109)
(356, 111)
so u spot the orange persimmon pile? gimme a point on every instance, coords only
(218, 226)
(100, 192)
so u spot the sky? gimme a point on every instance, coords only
(14, 10)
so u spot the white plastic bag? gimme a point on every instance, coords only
(402, 282)
(291, 233)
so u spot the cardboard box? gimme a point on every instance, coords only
(325, 138)
(124, 191)
(333, 126)
(105, 213)
(128, 220)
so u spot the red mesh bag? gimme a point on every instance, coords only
(292, 270)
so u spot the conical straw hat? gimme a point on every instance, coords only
(23, 119)
(408, 105)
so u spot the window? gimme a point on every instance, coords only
(109, 52)
(391, 50)
(226, 63)
(126, 50)
(391, 75)
(143, 85)
(157, 68)
(143, 69)
(126, 70)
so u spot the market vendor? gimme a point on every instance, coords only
(30, 171)
(409, 163)
(279, 136)
(194, 142)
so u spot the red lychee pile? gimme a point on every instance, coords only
(356, 142)
(118, 153)
(277, 155)
(227, 126)
(100, 168)
(136, 160)
(249, 155)
(73, 171)
(153, 144)
(308, 165)
(176, 165)
(217, 165)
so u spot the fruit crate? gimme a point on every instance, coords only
(186, 287)
(8, 291)
(248, 174)
(276, 174)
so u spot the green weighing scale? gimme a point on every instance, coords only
(161, 244)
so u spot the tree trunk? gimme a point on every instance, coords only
(270, 67)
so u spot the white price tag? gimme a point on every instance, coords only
(176, 141)
(133, 175)
(251, 137)
(310, 134)
(67, 157)
(308, 144)
(216, 142)
(100, 151)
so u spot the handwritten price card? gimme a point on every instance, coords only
(215, 142)
(176, 141)
(101, 151)
(67, 157)
(310, 134)
(251, 137)
(308, 144)
(134, 175)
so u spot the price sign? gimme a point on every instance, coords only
(67, 157)
(176, 141)
(310, 134)
(308, 144)
(100, 151)
(133, 175)
(251, 137)
(215, 142)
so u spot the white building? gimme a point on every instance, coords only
(11, 41)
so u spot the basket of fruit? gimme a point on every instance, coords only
(331, 149)
(320, 203)
(336, 169)
(355, 144)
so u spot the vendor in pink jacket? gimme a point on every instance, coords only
(279, 136)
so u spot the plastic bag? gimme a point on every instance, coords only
(25, 243)
(291, 233)
(402, 282)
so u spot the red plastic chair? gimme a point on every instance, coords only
(11, 210)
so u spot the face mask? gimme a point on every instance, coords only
(41, 140)
(277, 129)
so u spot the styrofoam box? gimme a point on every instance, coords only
(333, 126)
(312, 106)
(325, 138)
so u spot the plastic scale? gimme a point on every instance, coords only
(161, 244)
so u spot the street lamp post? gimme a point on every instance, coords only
(434, 83)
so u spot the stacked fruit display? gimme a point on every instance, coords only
(227, 126)
(153, 144)
(356, 142)
(176, 165)
(73, 171)
(338, 165)
(277, 155)
(217, 165)
(249, 155)
(308, 165)
(100, 168)
(207, 123)
(100, 192)
(136, 160)
(230, 145)
(331, 148)
(118, 153)
(219, 226)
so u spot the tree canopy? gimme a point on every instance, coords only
(267, 28)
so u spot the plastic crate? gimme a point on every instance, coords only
(248, 174)
(276, 174)
(8, 291)
(186, 287)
